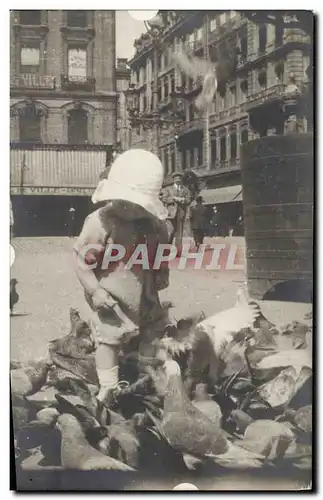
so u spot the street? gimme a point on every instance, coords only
(48, 288)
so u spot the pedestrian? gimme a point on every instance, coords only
(177, 198)
(132, 215)
(71, 225)
(198, 221)
(215, 222)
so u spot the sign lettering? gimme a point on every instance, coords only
(60, 191)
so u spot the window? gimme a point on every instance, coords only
(166, 165)
(232, 96)
(279, 32)
(192, 165)
(77, 127)
(223, 18)
(184, 162)
(244, 90)
(223, 148)
(191, 112)
(244, 136)
(173, 166)
(244, 42)
(166, 88)
(213, 151)
(77, 18)
(30, 126)
(172, 83)
(262, 37)
(159, 93)
(213, 24)
(30, 59)
(191, 38)
(233, 146)
(200, 156)
(77, 64)
(199, 34)
(262, 78)
(280, 70)
(30, 17)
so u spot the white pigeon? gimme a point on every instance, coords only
(222, 327)
(198, 69)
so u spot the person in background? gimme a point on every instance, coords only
(215, 222)
(176, 198)
(71, 225)
(198, 221)
(124, 300)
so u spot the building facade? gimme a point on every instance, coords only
(122, 82)
(248, 106)
(62, 77)
(63, 112)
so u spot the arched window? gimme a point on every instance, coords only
(77, 126)
(30, 124)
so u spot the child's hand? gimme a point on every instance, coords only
(101, 299)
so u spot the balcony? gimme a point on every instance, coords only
(31, 81)
(192, 126)
(294, 36)
(222, 116)
(267, 95)
(78, 83)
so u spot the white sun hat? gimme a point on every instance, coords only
(135, 176)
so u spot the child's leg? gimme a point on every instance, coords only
(106, 356)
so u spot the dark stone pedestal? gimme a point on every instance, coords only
(277, 180)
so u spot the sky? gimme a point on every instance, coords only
(127, 29)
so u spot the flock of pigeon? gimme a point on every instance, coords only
(222, 393)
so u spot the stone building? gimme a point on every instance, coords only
(62, 77)
(63, 121)
(268, 59)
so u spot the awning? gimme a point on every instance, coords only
(222, 195)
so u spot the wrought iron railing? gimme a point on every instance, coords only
(77, 83)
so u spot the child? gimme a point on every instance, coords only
(133, 215)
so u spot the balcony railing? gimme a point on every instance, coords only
(78, 83)
(225, 113)
(31, 81)
(268, 94)
(196, 124)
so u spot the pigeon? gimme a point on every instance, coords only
(189, 431)
(122, 443)
(76, 453)
(198, 69)
(203, 402)
(29, 379)
(14, 297)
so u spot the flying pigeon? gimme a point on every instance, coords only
(197, 69)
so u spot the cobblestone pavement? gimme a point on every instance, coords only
(48, 287)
